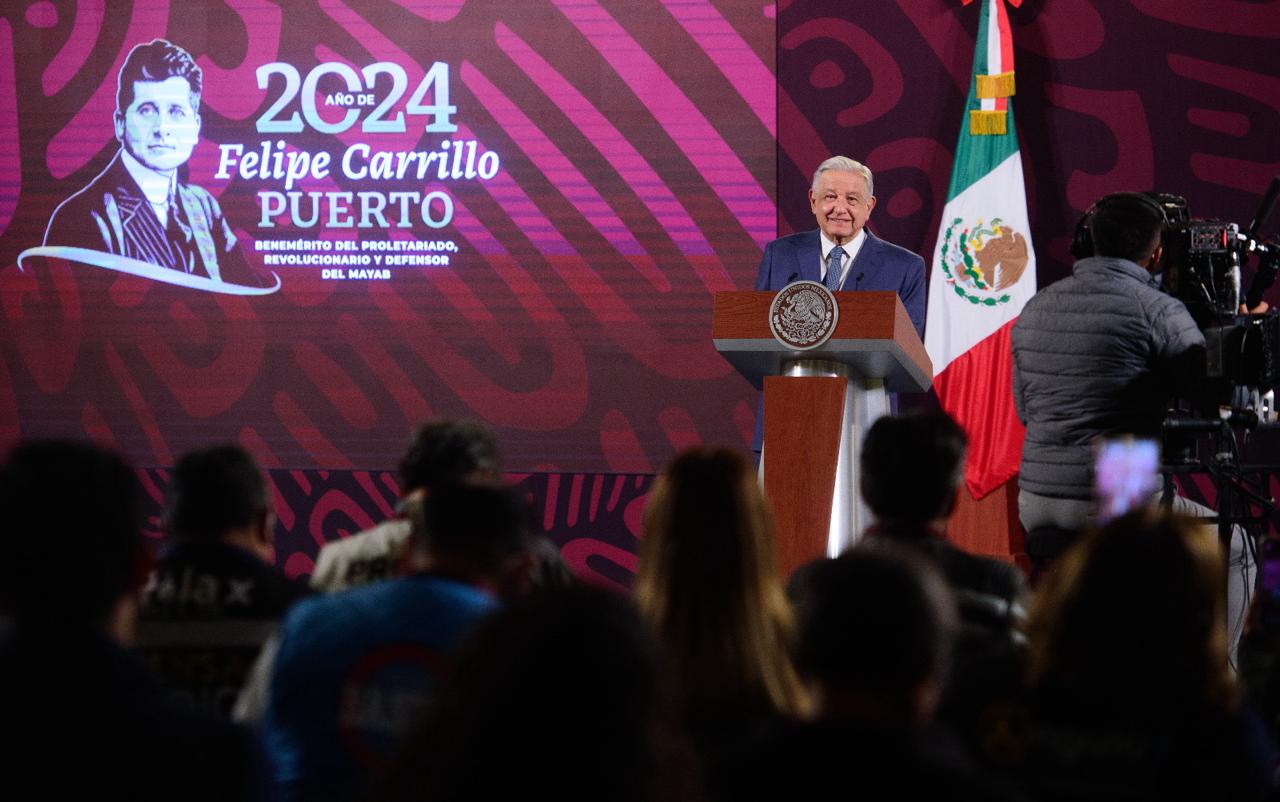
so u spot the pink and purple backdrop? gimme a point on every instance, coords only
(636, 143)
(648, 150)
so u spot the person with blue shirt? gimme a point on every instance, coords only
(354, 669)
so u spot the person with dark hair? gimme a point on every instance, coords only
(1099, 353)
(82, 716)
(570, 672)
(353, 669)
(1124, 226)
(216, 493)
(876, 627)
(215, 596)
(93, 585)
(911, 470)
(911, 467)
(442, 453)
(138, 207)
(1132, 695)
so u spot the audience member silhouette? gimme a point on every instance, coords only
(708, 586)
(876, 628)
(556, 697)
(1131, 693)
(83, 718)
(444, 452)
(354, 668)
(711, 687)
(912, 470)
(215, 596)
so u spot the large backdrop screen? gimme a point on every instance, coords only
(380, 213)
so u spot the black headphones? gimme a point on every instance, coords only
(1082, 240)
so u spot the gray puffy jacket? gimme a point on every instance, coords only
(1098, 353)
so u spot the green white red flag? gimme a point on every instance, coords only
(984, 268)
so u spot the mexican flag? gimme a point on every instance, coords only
(983, 269)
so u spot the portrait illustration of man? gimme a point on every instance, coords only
(139, 207)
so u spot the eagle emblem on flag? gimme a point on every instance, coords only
(980, 261)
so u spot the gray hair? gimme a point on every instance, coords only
(844, 163)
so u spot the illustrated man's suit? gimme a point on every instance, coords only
(113, 216)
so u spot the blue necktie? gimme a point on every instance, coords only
(832, 281)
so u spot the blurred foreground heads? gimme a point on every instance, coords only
(876, 630)
(912, 470)
(1131, 693)
(558, 698)
(442, 453)
(877, 626)
(708, 585)
(1135, 616)
(83, 717)
(215, 596)
(354, 669)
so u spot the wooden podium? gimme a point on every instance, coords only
(818, 405)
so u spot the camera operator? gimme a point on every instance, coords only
(1099, 353)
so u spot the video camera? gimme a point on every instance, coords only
(1201, 266)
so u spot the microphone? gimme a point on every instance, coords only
(792, 278)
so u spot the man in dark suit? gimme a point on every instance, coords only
(137, 207)
(842, 199)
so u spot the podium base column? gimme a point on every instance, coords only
(816, 416)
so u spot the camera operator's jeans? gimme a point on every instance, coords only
(1042, 512)
(1242, 570)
